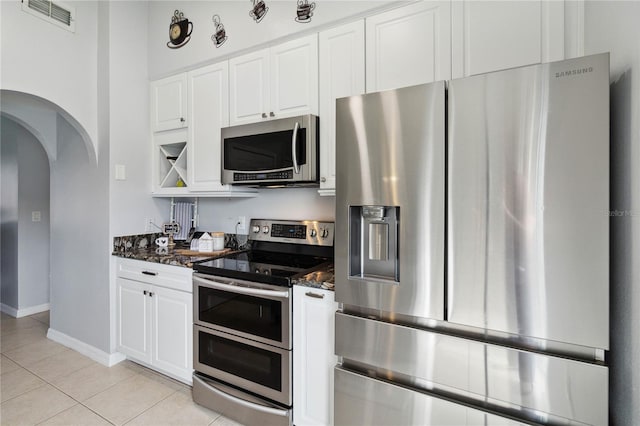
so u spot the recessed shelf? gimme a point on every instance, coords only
(172, 165)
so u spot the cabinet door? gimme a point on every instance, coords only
(208, 113)
(172, 332)
(409, 45)
(341, 55)
(494, 35)
(294, 78)
(169, 103)
(249, 87)
(133, 317)
(313, 355)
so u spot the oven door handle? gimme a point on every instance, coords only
(294, 143)
(242, 402)
(243, 290)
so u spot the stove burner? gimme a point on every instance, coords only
(274, 259)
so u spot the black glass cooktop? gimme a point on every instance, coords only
(261, 266)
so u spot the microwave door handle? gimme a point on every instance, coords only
(294, 140)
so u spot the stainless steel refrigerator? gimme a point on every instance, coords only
(472, 250)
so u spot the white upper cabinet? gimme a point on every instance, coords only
(494, 35)
(169, 103)
(208, 89)
(278, 82)
(294, 77)
(249, 87)
(409, 45)
(342, 73)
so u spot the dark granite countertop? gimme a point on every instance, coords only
(322, 278)
(142, 247)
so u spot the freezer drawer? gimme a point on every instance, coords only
(528, 195)
(545, 389)
(361, 400)
(390, 162)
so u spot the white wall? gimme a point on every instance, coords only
(614, 27)
(8, 217)
(33, 237)
(289, 203)
(57, 65)
(242, 30)
(80, 242)
(130, 145)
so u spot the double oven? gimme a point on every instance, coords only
(243, 349)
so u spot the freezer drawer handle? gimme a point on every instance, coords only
(317, 296)
(242, 402)
(150, 273)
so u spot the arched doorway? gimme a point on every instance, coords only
(25, 241)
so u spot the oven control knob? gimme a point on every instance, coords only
(324, 233)
(255, 229)
(265, 229)
(313, 233)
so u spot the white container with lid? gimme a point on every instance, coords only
(218, 241)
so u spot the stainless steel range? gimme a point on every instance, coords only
(242, 320)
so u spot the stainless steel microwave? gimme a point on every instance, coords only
(281, 152)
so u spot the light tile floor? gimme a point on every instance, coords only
(45, 383)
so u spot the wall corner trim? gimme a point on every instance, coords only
(92, 352)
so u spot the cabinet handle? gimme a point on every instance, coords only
(323, 179)
(182, 119)
(264, 115)
(271, 114)
(144, 292)
(150, 294)
(153, 274)
(317, 296)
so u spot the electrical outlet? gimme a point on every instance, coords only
(148, 224)
(242, 224)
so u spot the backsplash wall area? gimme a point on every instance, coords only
(285, 203)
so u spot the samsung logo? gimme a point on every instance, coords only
(570, 73)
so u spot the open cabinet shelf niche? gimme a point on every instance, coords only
(172, 165)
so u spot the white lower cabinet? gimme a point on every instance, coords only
(155, 316)
(313, 355)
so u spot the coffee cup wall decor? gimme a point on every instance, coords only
(304, 11)
(259, 10)
(220, 36)
(180, 30)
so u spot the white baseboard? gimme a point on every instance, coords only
(24, 312)
(9, 310)
(85, 349)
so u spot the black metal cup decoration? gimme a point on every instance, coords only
(305, 11)
(220, 35)
(179, 31)
(259, 10)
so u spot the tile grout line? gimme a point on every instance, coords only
(138, 415)
(63, 392)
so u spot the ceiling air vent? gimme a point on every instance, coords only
(56, 13)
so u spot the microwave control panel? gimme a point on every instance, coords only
(250, 177)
